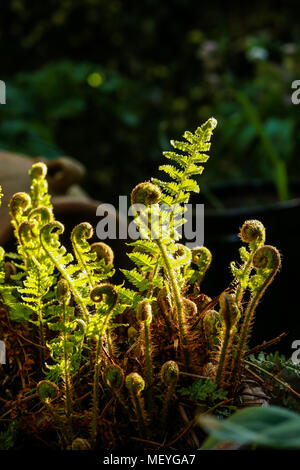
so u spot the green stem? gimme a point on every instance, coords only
(41, 333)
(95, 399)
(66, 366)
(222, 360)
(246, 271)
(274, 377)
(248, 318)
(178, 302)
(109, 344)
(69, 280)
(83, 265)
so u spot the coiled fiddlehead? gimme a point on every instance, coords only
(201, 257)
(135, 385)
(267, 262)
(145, 193)
(48, 391)
(49, 236)
(252, 232)
(39, 186)
(79, 236)
(103, 252)
(113, 376)
(19, 204)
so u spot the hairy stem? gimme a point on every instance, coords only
(178, 301)
(223, 356)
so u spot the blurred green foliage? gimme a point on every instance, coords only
(113, 81)
(263, 427)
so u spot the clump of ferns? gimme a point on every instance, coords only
(172, 326)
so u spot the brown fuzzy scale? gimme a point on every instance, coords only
(103, 251)
(145, 193)
(199, 343)
(251, 231)
(165, 309)
(9, 270)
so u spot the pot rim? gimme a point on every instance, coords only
(255, 184)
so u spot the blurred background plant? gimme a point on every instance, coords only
(102, 81)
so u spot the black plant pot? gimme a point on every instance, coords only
(278, 310)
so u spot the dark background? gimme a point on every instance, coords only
(161, 68)
(111, 82)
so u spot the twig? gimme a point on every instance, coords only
(195, 376)
(284, 384)
(193, 422)
(153, 443)
(257, 377)
(106, 407)
(185, 418)
(208, 307)
(265, 344)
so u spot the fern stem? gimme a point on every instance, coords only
(69, 280)
(178, 302)
(147, 335)
(264, 257)
(223, 356)
(246, 271)
(244, 332)
(139, 414)
(166, 406)
(41, 333)
(96, 383)
(66, 367)
(135, 384)
(109, 344)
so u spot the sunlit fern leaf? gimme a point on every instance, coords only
(129, 297)
(147, 246)
(143, 261)
(137, 279)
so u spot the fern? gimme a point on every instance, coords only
(169, 331)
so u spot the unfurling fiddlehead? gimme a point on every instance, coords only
(252, 232)
(174, 319)
(201, 257)
(107, 297)
(79, 236)
(39, 186)
(49, 236)
(266, 261)
(48, 391)
(145, 193)
(135, 385)
(113, 376)
(19, 204)
(103, 252)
